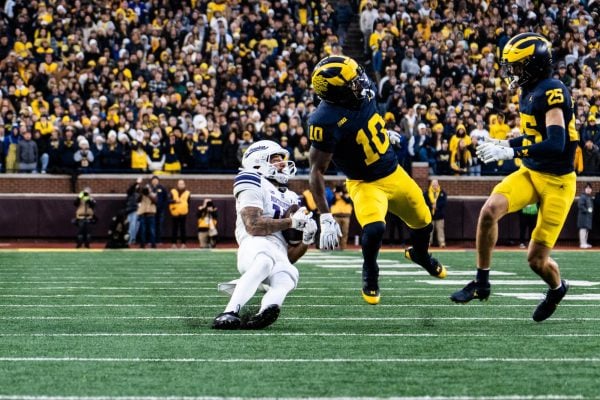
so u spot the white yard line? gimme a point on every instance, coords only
(413, 360)
(507, 397)
(299, 334)
(446, 305)
(335, 319)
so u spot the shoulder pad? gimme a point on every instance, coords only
(246, 180)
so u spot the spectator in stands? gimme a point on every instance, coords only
(172, 155)
(498, 128)
(301, 153)
(111, 156)
(475, 168)
(591, 131)
(230, 152)
(138, 157)
(179, 208)
(2, 155)
(11, 149)
(202, 151)
(460, 158)
(247, 140)
(27, 154)
(84, 216)
(119, 71)
(367, 20)
(585, 207)
(343, 17)
(161, 201)
(156, 153)
(591, 158)
(84, 158)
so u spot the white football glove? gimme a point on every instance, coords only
(309, 232)
(300, 218)
(503, 143)
(394, 136)
(330, 232)
(489, 152)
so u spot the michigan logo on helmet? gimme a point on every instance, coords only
(526, 59)
(340, 80)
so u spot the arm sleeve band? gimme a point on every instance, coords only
(553, 145)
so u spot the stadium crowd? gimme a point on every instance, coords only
(187, 86)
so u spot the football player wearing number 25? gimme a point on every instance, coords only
(347, 129)
(547, 148)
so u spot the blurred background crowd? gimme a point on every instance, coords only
(186, 86)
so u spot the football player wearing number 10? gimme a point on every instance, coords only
(547, 148)
(347, 129)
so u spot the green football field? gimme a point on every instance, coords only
(135, 324)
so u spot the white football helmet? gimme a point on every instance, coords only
(258, 157)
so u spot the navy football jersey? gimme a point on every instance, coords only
(357, 138)
(533, 105)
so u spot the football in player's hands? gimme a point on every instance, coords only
(292, 236)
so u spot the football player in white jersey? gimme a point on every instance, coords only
(264, 256)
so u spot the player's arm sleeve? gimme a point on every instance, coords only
(517, 142)
(556, 137)
(553, 145)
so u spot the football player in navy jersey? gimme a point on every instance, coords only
(547, 148)
(347, 129)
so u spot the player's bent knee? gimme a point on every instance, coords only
(536, 261)
(491, 212)
(373, 231)
(263, 264)
(286, 280)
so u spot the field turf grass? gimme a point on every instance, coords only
(98, 324)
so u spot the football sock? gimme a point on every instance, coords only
(371, 243)
(280, 285)
(483, 275)
(249, 281)
(420, 239)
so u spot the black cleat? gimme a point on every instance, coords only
(263, 319)
(227, 321)
(474, 290)
(431, 265)
(547, 307)
(371, 296)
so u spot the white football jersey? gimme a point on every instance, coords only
(253, 190)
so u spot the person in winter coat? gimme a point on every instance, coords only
(585, 207)
(131, 207)
(436, 200)
(27, 154)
